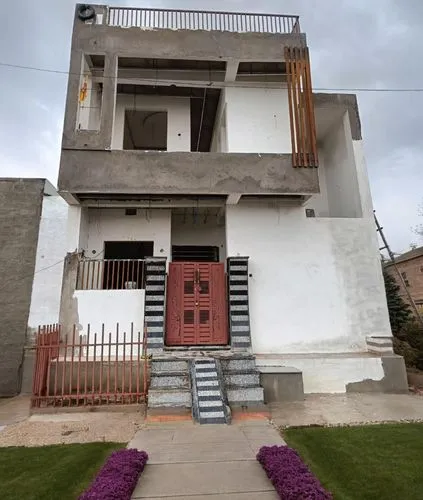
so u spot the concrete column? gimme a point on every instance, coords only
(109, 100)
(155, 293)
(239, 312)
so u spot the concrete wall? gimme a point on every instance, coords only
(179, 172)
(20, 212)
(341, 172)
(257, 120)
(316, 284)
(51, 251)
(113, 225)
(178, 118)
(109, 308)
(186, 231)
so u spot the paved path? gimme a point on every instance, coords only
(345, 409)
(192, 462)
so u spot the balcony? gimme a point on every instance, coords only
(236, 22)
(126, 173)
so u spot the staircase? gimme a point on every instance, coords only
(169, 384)
(207, 385)
(209, 406)
(242, 381)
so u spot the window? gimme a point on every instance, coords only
(124, 264)
(145, 130)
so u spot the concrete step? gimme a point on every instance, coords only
(168, 365)
(242, 378)
(168, 379)
(245, 396)
(247, 363)
(164, 398)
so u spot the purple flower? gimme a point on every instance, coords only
(289, 475)
(118, 477)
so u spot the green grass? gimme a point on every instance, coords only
(363, 463)
(50, 472)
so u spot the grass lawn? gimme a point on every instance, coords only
(50, 472)
(363, 463)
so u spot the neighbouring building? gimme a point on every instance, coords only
(410, 265)
(32, 230)
(219, 202)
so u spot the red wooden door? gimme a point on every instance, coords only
(196, 312)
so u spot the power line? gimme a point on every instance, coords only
(227, 84)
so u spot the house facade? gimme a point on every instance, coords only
(215, 199)
(410, 265)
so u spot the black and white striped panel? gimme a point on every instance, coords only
(155, 283)
(211, 408)
(239, 315)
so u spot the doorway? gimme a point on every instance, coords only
(196, 311)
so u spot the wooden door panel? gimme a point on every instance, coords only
(196, 298)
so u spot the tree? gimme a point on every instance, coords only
(399, 310)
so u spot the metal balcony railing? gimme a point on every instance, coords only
(111, 274)
(239, 22)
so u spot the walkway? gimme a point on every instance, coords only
(193, 462)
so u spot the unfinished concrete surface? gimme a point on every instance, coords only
(20, 212)
(118, 424)
(281, 383)
(347, 409)
(149, 172)
(215, 461)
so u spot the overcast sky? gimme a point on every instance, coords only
(353, 43)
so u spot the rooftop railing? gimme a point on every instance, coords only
(238, 22)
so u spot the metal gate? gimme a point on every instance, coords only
(196, 312)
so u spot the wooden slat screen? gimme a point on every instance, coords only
(301, 109)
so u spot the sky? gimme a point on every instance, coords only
(354, 45)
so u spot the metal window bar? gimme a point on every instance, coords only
(111, 274)
(202, 20)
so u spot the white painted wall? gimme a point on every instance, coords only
(330, 374)
(111, 307)
(109, 224)
(51, 251)
(341, 172)
(178, 119)
(316, 283)
(257, 120)
(77, 228)
(189, 233)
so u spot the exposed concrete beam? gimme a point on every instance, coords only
(69, 198)
(196, 83)
(231, 70)
(233, 199)
(93, 203)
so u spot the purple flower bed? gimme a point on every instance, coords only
(118, 476)
(289, 475)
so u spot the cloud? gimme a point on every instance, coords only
(353, 44)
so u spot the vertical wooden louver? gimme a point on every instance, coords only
(301, 108)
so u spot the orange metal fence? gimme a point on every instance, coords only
(90, 369)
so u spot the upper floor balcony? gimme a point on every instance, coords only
(176, 19)
(189, 102)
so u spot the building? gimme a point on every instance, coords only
(410, 265)
(195, 154)
(32, 230)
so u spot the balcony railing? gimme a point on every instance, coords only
(239, 22)
(111, 274)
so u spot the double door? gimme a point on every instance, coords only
(196, 312)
